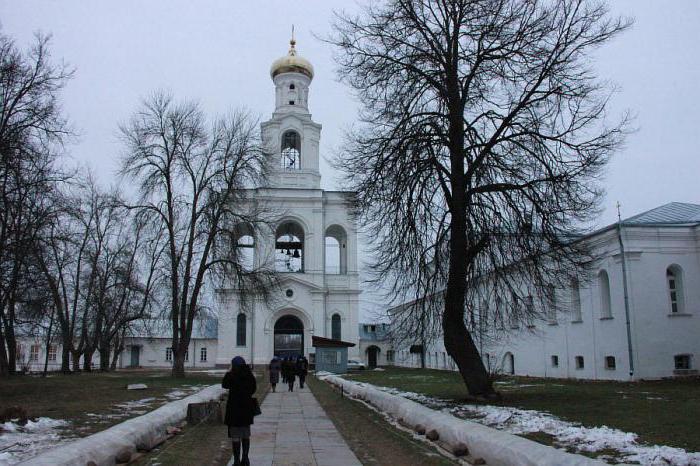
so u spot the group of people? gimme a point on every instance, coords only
(242, 406)
(290, 368)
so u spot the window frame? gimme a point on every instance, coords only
(34, 352)
(241, 329)
(605, 292)
(675, 294)
(336, 327)
(680, 357)
(608, 361)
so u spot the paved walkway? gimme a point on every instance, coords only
(293, 429)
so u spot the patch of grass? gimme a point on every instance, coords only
(665, 412)
(73, 397)
(202, 444)
(373, 440)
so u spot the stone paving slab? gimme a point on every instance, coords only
(293, 429)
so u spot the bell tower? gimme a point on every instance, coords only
(291, 137)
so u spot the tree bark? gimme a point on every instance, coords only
(65, 357)
(4, 367)
(105, 355)
(87, 359)
(179, 361)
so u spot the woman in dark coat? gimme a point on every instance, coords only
(275, 368)
(240, 408)
(288, 370)
(302, 370)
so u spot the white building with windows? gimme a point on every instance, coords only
(313, 242)
(148, 344)
(587, 337)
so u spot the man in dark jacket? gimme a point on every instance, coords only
(240, 408)
(302, 370)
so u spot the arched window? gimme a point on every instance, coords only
(674, 281)
(291, 151)
(605, 301)
(245, 247)
(336, 251)
(335, 327)
(515, 313)
(289, 248)
(240, 329)
(575, 301)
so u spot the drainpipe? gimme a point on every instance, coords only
(625, 291)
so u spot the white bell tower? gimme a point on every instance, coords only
(291, 137)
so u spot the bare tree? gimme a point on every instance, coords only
(31, 129)
(192, 182)
(483, 134)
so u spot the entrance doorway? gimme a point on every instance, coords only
(289, 337)
(135, 356)
(509, 363)
(372, 353)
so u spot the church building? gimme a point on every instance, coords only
(312, 243)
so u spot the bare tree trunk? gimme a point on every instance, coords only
(48, 344)
(179, 360)
(65, 357)
(87, 359)
(10, 338)
(4, 367)
(105, 355)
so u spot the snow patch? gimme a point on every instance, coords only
(140, 432)
(567, 434)
(18, 442)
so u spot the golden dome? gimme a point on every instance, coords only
(292, 63)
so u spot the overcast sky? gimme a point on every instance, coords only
(219, 53)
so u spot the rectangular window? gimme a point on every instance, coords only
(576, 315)
(674, 294)
(682, 361)
(555, 360)
(52, 352)
(187, 355)
(168, 354)
(610, 363)
(19, 356)
(579, 362)
(34, 353)
(203, 355)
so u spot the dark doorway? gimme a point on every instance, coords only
(372, 353)
(289, 337)
(135, 356)
(509, 363)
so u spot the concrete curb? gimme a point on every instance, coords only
(140, 433)
(494, 446)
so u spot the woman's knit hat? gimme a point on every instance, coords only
(238, 361)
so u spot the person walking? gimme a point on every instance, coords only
(275, 368)
(302, 370)
(240, 408)
(288, 369)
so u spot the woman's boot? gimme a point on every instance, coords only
(246, 448)
(237, 452)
